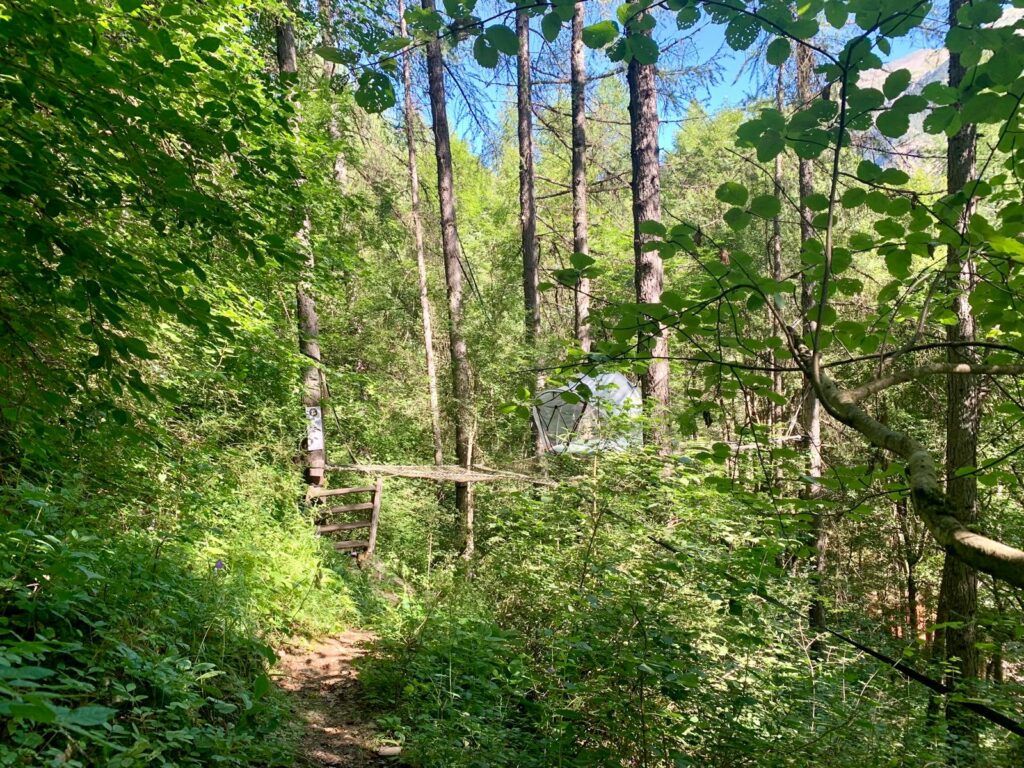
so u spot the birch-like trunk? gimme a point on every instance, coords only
(417, 228)
(580, 224)
(810, 411)
(308, 322)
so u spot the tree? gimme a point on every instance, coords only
(462, 377)
(305, 305)
(417, 231)
(810, 412)
(646, 190)
(958, 593)
(580, 226)
(527, 196)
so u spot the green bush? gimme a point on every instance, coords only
(135, 637)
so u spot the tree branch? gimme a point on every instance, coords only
(980, 552)
(857, 394)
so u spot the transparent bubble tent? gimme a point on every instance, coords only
(590, 413)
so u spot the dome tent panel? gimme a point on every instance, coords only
(590, 413)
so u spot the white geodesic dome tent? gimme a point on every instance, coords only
(590, 413)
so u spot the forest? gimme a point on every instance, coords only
(512, 383)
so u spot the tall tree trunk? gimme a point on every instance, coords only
(326, 13)
(958, 593)
(810, 414)
(775, 265)
(325, 10)
(527, 195)
(649, 274)
(308, 322)
(580, 225)
(417, 228)
(528, 202)
(462, 378)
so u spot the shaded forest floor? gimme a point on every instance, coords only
(325, 685)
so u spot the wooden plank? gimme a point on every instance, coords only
(354, 544)
(442, 474)
(322, 529)
(319, 493)
(375, 516)
(346, 508)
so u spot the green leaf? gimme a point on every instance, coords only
(939, 93)
(330, 53)
(898, 263)
(737, 219)
(550, 26)
(853, 197)
(733, 193)
(601, 34)
(421, 18)
(130, 5)
(779, 51)
(375, 93)
(687, 17)
(581, 260)
(652, 228)
(836, 13)
(741, 32)
(766, 206)
(485, 53)
(893, 123)
(896, 83)
(816, 201)
(395, 44)
(564, 8)
(38, 712)
(1008, 245)
(504, 39)
(770, 145)
(643, 49)
(87, 716)
(889, 228)
(210, 44)
(673, 300)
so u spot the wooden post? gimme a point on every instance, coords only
(374, 517)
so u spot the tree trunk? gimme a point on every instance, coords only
(287, 59)
(580, 225)
(649, 272)
(528, 204)
(527, 195)
(775, 263)
(462, 378)
(810, 413)
(417, 228)
(958, 593)
(326, 13)
(308, 322)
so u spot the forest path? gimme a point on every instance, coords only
(325, 685)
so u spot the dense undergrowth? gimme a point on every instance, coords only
(579, 640)
(139, 621)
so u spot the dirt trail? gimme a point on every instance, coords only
(328, 697)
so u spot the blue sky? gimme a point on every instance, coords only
(735, 83)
